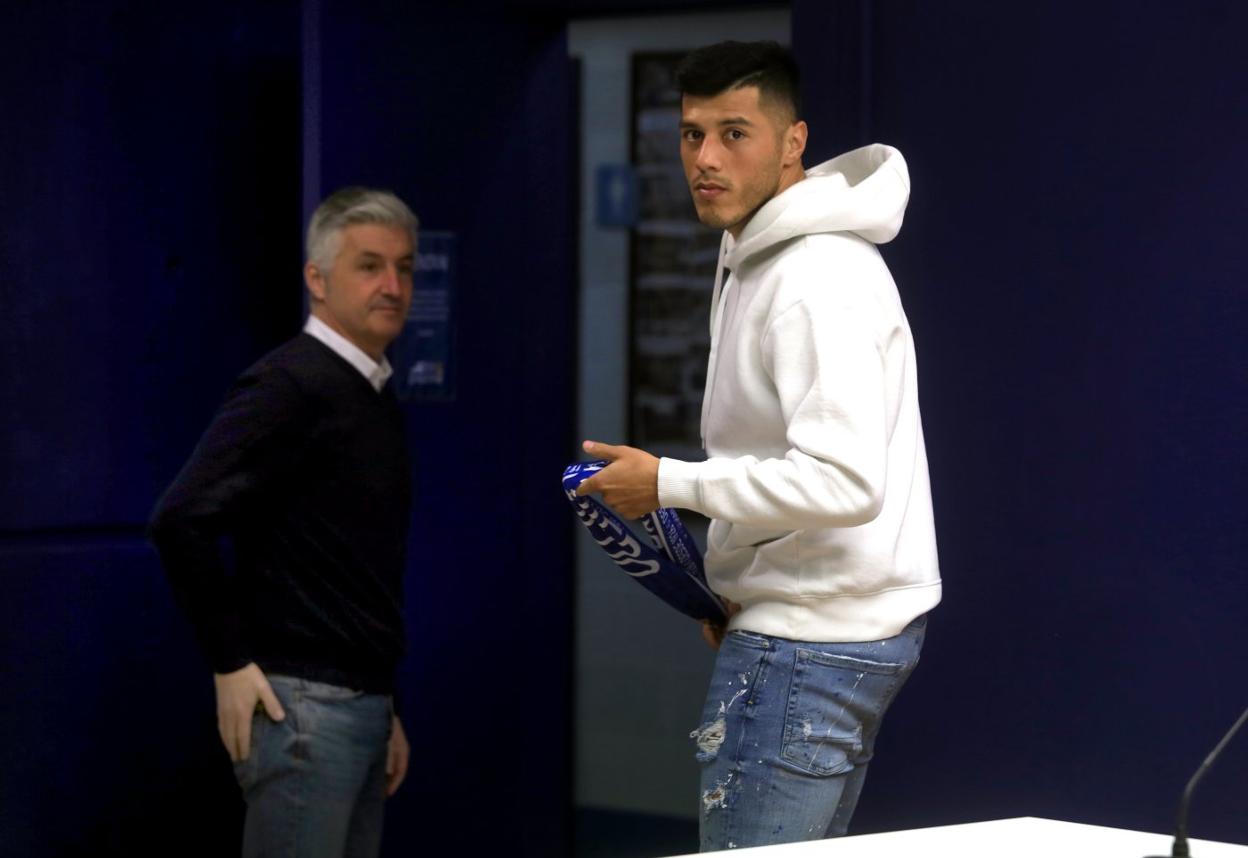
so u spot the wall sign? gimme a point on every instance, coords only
(424, 353)
(615, 195)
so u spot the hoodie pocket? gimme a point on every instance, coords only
(742, 536)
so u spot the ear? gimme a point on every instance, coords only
(315, 282)
(794, 143)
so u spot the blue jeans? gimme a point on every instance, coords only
(787, 731)
(315, 782)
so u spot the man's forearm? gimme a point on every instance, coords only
(193, 565)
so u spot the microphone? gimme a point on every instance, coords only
(1180, 849)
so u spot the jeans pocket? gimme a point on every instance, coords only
(833, 701)
(246, 771)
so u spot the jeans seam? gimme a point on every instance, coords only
(790, 703)
(298, 776)
(747, 715)
(886, 700)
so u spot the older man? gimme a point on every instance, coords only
(304, 472)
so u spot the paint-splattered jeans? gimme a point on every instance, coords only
(315, 782)
(787, 731)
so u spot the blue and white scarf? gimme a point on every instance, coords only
(671, 569)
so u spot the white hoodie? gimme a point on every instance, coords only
(816, 479)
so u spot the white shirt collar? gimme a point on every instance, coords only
(376, 373)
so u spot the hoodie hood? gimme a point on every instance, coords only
(864, 192)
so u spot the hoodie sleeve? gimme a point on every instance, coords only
(824, 356)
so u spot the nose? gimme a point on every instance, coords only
(709, 155)
(391, 281)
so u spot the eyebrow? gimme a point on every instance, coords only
(731, 120)
(375, 255)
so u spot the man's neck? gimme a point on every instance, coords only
(788, 178)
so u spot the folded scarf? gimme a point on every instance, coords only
(671, 569)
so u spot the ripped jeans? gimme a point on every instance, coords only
(787, 731)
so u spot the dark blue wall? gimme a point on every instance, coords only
(150, 220)
(1073, 267)
(149, 228)
(149, 249)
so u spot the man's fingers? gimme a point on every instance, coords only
(227, 739)
(240, 693)
(231, 727)
(603, 451)
(400, 775)
(396, 770)
(272, 706)
(587, 487)
(397, 753)
(244, 737)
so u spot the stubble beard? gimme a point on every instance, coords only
(754, 197)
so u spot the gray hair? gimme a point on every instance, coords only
(350, 206)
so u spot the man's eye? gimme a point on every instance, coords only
(736, 134)
(405, 270)
(693, 136)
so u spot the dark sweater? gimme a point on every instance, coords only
(304, 470)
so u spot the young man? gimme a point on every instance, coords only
(816, 478)
(304, 470)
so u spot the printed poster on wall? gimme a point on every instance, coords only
(671, 275)
(424, 353)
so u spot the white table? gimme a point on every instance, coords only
(1026, 837)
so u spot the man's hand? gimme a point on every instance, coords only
(238, 694)
(713, 633)
(629, 485)
(397, 753)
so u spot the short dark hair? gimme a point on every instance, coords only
(720, 67)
